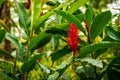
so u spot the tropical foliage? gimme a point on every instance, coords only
(59, 40)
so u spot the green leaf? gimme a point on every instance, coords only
(80, 16)
(60, 53)
(24, 17)
(2, 35)
(99, 23)
(6, 54)
(94, 62)
(35, 12)
(76, 5)
(93, 47)
(43, 18)
(7, 76)
(64, 63)
(71, 19)
(115, 62)
(43, 38)
(89, 16)
(99, 52)
(113, 34)
(16, 44)
(30, 63)
(53, 76)
(54, 30)
(1, 1)
(59, 70)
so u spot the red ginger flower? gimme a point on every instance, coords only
(72, 38)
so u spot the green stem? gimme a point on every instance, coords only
(96, 75)
(14, 70)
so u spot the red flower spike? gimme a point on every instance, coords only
(72, 38)
(86, 25)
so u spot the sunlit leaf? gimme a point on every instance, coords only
(113, 34)
(53, 76)
(71, 19)
(76, 5)
(94, 62)
(43, 18)
(24, 17)
(99, 23)
(35, 11)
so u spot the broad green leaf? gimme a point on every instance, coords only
(76, 5)
(89, 16)
(55, 42)
(61, 69)
(99, 52)
(6, 54)
(93, 47)
(60, 53)
(35, 11)
(94, 62)
(80, 16)
(1, 1)
(2, 35)
(54, 30)
(80, 72)
(99, 23)
(16, 44)
(43, 18)
(64, 63)
(115, 63)
(42, 39)
(24, 17)
(53, 76)
(113, 34)
(89, 72)
(30, 63)
(44, 68)
(71, 19)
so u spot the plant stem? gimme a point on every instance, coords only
(14, 70)
(96, 75)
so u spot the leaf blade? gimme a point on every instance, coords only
(99, 23)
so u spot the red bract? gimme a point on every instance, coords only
(28, 4)
(72, 38)
(86, 25)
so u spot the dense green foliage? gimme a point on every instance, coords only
(34, 47)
